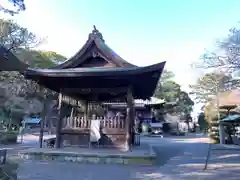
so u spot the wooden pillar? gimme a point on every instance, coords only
(85, 117)
(71, 120)
(133, 121)
(130, 117)
(72, 112)
(221, 133)
(41, 131)
(59, 123)
(85, 110)
(43, 116)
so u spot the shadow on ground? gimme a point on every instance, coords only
(184, 158)
(178, 151)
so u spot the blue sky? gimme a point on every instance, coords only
(142, 32)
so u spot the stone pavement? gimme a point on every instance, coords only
(72, 171)
(190, 160)
(179, 158)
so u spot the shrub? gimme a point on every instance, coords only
(214, 134)
(8, 171)
(8, 137)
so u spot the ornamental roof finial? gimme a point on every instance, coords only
(95, 34)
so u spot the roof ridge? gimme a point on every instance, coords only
(95, 34)
(108, 54)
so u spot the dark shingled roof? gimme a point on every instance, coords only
(99, 81)
(95, 39)
(9, 62)
(84, 77)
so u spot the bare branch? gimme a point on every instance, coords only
(14, 37)
(226, 56)
(210, 84)
(17, 6)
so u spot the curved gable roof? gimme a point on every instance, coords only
(102, 82)
(95, 38)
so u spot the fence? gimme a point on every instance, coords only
(81, 123)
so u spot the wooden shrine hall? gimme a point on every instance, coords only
(96, 74)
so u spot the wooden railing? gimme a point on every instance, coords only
(81, 123)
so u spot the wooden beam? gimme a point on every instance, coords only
(114, 90)
(59, 123)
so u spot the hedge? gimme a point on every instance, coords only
(8, 171)
(8, 137)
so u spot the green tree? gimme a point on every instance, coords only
(39, 59)
(166, 76)
(14, 37)
(165, 84)
(53, 56)
(184, 103)
(170, 91)
(202, 121)
(207, 86)
(19, 95)
(19, 40)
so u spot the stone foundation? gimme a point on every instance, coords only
(82, 140)
(90, 156)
